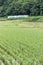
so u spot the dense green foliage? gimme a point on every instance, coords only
(25, 45)
(17, 7)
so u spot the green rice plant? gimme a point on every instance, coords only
(21, 46)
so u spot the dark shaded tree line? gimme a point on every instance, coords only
(21, 7)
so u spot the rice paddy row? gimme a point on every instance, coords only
(20, 46)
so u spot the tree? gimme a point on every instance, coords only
(21, 7)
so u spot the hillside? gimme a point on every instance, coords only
(21, 7)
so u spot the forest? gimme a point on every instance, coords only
(21, 7)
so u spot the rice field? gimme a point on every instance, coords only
(21, 43)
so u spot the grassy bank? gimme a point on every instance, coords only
(28, 19)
